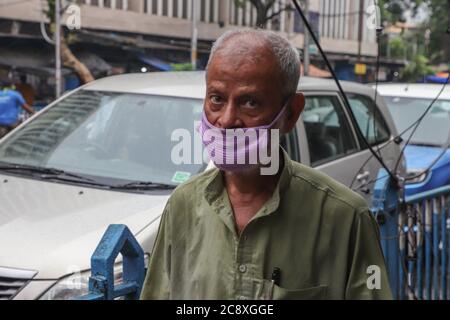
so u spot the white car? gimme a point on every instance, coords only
(407, 103)
(101, 155)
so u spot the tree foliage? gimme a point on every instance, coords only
(417, 69)
(437, 22)
(263, 8)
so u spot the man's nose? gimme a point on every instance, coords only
(229, 119)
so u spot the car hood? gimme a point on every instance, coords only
(421, 157)
(54, 228)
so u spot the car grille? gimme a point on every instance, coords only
(12, 281)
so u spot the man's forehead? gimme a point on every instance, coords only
(244, 87)
(244, 69)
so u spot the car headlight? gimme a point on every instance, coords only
(77, 284)
(416, 176)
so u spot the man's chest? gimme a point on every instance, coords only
(223, 264)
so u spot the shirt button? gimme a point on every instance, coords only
(242, 268)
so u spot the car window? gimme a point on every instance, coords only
(327, 129)
(369, 119)
(433, 129)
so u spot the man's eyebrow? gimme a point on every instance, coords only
(215, 86)
(250, 93)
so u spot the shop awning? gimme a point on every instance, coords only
(40, 61)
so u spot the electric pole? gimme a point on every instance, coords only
(194, 35)
(306, 41)
(360, 32)
(57, 48)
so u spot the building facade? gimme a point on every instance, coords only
(337, 21)
(141, 35)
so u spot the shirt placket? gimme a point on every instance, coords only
(244, 267)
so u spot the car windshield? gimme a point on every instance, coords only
(120, 137)
(434, 128)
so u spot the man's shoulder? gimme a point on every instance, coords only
(318, 182)
(14, 94)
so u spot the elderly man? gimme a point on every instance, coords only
(235, 233)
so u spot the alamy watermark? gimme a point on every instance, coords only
(73, 17)
(374, 279)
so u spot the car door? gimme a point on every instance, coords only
(374, 124)
(330, 139)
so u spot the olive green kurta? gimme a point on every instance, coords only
(318, 232)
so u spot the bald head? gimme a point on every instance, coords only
(261, 47)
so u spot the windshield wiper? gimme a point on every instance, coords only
(424, 144)
(141, 185)
(49, 173)
(61, 175)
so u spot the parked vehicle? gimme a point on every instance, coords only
(102, 154)
(430, 142)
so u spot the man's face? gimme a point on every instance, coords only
(243, 90)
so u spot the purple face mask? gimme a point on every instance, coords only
(243, 148)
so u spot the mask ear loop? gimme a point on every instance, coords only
(280, 114)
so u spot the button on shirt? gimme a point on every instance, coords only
(320, 234)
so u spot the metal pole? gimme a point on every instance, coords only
(194, 35)
(57, 48)
(360, 32)
(306, 41)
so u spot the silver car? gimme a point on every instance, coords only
(102, 154)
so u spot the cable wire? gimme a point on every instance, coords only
(344, 96)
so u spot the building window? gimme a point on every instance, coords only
(333, 12)
(185, 9)
(202, 10)
(165, 8)
(212, 8)
(175, 9)
(329, 18)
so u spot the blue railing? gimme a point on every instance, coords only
(415, 237)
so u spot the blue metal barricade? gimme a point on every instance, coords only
(415, 239)
(117, 239)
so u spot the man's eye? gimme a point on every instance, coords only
(215, 99)
(251, 104)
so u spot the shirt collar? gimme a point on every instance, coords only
(216, 195)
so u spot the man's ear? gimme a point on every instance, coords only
(295, 108)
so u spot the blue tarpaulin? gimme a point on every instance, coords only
(437, 79)
(155, 62)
